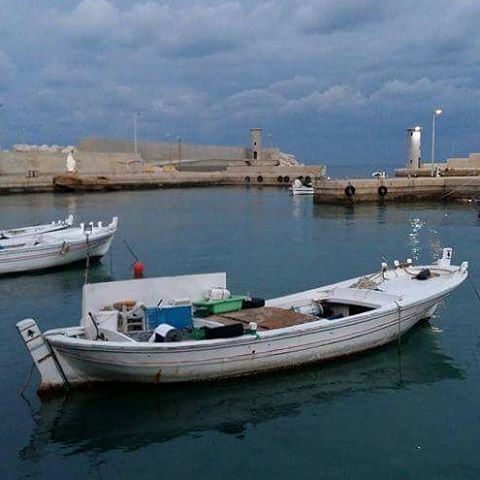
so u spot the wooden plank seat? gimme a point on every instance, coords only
(266, 318)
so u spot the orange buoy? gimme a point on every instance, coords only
(138, 270)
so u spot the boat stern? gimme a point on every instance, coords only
(51, 374)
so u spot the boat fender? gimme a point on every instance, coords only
(260, 178)
(279, 178)
(247, 179)
(350, 190)
(286, 179)
(424, 274)
(382, 190)
(138, 270)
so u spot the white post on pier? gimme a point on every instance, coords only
(437, 112)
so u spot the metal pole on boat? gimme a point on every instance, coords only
(399, 342)
(87, 231)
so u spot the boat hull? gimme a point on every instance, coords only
(46, 256)
(86, 362)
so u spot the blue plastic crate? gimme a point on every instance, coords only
(178, 316)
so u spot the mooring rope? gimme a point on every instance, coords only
(130, 250)
(87, 262)
(27, 382)
(459, 188)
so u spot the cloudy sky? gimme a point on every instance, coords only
(333, 82)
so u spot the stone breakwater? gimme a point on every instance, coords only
(22, 172)
(396, 190)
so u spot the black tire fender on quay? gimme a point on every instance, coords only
(260, 178)
(382, 190)
(286, 179)
(247, 179)
(350, 191)
(308, 179)
(280, 178)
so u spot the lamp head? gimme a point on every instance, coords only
(438, 111)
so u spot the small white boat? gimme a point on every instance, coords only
(114, 344)
(37, 229)
(57, 248)
(298, 188)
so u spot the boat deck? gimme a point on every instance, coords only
(266, 318)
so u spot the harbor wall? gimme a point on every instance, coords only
(36, 171)
(177, 152)
(158, 178)
(37, 164)
(453, 167)
(395, 189)
(163, 151)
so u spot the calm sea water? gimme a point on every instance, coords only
(412, 413)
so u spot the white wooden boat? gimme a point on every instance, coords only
(324, 323)
(54, 249)
(37, 229)
(298, 188)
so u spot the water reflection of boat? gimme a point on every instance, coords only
(112, 419)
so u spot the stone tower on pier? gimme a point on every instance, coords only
(256, 143)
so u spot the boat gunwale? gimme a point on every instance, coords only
(59, 337)
(43, 248)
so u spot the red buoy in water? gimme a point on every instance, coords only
(138, 269)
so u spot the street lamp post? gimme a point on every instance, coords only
(135, 144)
(179, 152)
(437, 112)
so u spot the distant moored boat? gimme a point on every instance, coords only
(37, 229)
(56, 248)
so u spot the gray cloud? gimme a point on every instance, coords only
(304, 70)
(326, 16)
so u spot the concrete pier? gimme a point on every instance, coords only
(36, 181)
(103, 164)
(246, 176)
(396, 189)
